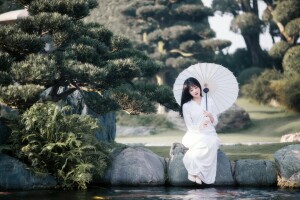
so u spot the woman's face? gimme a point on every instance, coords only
(195, 91)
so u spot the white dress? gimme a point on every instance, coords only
(202, 140)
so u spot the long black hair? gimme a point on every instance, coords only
(186, 96)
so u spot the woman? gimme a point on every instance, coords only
(201, 138)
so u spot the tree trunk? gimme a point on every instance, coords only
(253, 46)
(161, 80)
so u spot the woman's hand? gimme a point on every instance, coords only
(209, 115)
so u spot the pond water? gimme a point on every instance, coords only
(186, 193)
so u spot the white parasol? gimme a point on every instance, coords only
(217, 82)
(13, 16)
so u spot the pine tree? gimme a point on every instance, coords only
(54, 48)
(176, 33)
(246, 22)
(283, 18)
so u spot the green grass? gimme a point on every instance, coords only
(237, 152)
(268, 125)
(152, 120)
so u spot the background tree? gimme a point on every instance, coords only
(53, 48)
(284, 19)
(8, 5)
(247, 23)
(174, 32)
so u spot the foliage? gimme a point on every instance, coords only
(168, 31)
(283, 19)
(8, 5)
(278, 50)
(246, 75)
(259, 88)
(80, 56)
(246, 24)
(281, 14)
(20, 96)
(53, 49)
(293, 27)
(59, 144)
(291, 61)
(292, 93)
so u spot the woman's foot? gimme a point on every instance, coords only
(198, 180)
(192, 178)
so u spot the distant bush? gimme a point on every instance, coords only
(292, 94)
(259, 86)
(151, 120)
(246, 75)
(291, 61)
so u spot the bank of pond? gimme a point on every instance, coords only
(140, 167)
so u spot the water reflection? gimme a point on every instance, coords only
(158, 193)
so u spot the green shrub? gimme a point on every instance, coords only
(246, 75)
(61, 145)
(151, 120)
(292, 94)
(259, 87)
(278, 50)
(291, 61)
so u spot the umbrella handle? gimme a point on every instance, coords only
(206, 90)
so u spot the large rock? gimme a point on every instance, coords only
(177, 174)
(233, 119)
(16, 175)
(224, 174)
(107, 122)
(292, 137)
(6, 113)
(136, 166)
(287, 161)
(4, 133)
(255, 173)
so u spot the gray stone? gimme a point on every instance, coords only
(255, 173)
(292, 137)
(224, 173)
(7, 112)
(136, 166)
(4, 133)
(287, 160)
(233, 119)
(16, 175)
(177, 174)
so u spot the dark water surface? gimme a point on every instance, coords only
(155, 193)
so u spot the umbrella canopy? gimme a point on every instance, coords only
(221, 83)
(13, 16)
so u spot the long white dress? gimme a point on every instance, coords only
(202, 140)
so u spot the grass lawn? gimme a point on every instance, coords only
(237, 152)
(268, 125)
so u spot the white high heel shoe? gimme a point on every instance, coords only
(198, 180)
(192, 178)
